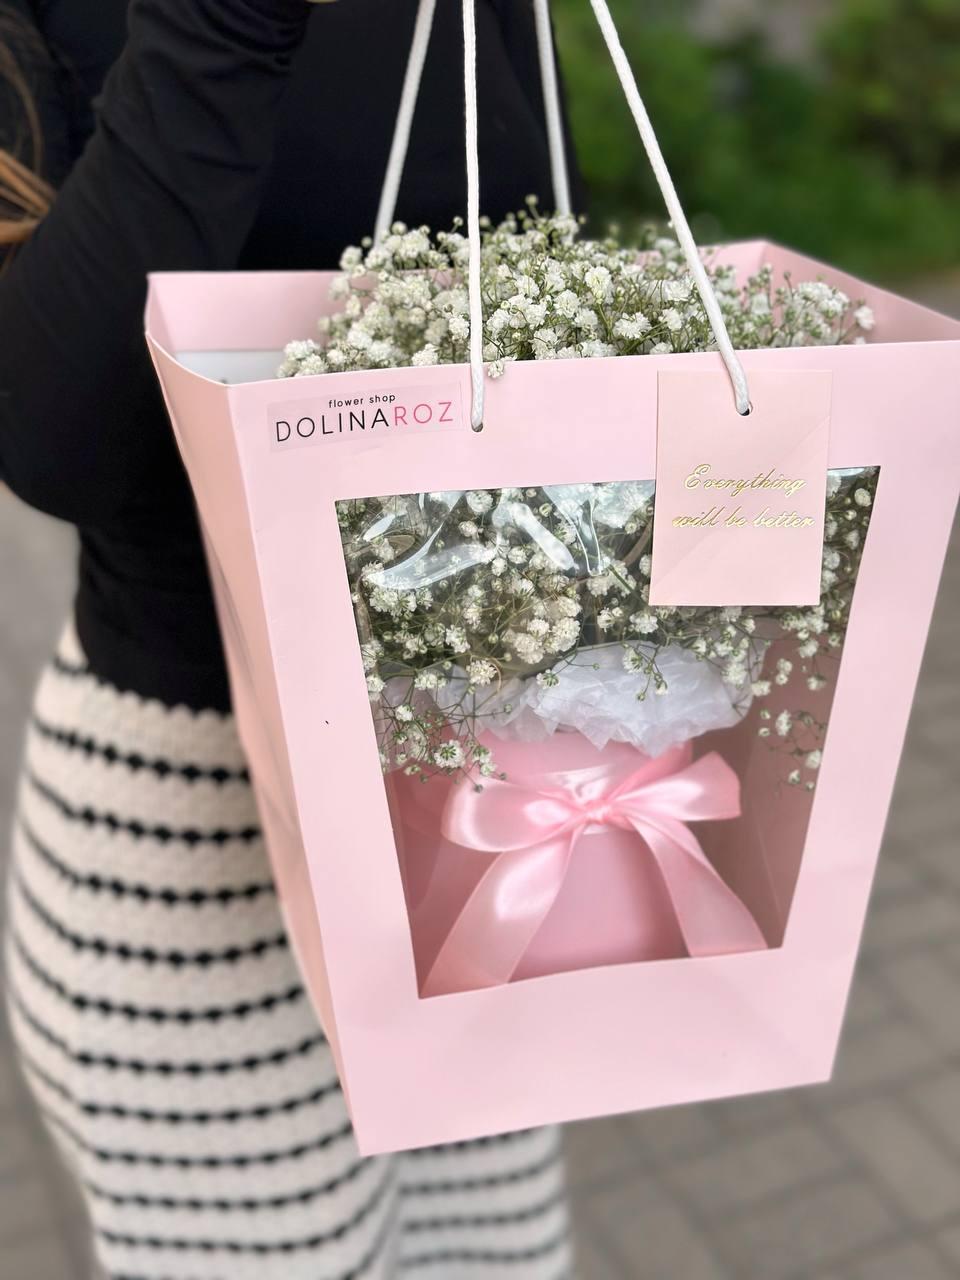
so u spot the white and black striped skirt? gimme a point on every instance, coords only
(168, 1040)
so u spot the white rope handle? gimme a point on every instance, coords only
(473, 211)
(401, 141)
(399, 146)
(674, 208)
(401, 133)
(551, 105)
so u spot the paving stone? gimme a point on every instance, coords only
(895, 879)
(919, 920)
(869, 1002)
(941, 859)
(938, 1101)
(912, 1261)
(757, 1112)
(950, 952)
(885, 1053)
(599, 1150)
(659, 1135)
(24, 1206)
(653, 1237)
(11, 1087)
(927, 987)
(20, 1151)
(593, 1261)
(805, 1232)
(913, 1169)
(746, 1172)
(949, 1244)
(38, 1257)
(919, 821)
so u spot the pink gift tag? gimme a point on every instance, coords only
(740, 500)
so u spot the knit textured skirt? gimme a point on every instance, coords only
(170, 1045)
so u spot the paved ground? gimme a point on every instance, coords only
(858, 1180)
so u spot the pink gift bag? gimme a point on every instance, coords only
(600, 920)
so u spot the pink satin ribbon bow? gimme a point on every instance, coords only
(532, 828)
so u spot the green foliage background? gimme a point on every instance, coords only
(852, 155)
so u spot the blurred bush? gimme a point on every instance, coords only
(894, 75)
(852, 155)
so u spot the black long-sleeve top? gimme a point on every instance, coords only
(206, 135)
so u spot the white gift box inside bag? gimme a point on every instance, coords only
(269, 462)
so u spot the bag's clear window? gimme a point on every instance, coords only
(575, 777)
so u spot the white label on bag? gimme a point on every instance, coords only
(346, 415)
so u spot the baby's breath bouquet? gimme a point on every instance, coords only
(549, 293)
(518, 613)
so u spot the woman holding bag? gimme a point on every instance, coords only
(158, 1013)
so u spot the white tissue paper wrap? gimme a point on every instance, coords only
(597, 696)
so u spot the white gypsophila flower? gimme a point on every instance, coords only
(427, 355)
(864, 318)
(597, 280)
(375, 686)
(370, 652)
(567, 607)
(449, 755)
(479, 501)
(784, 668)
(529, 648)
(635, 661)
(672, 319)
(481, 671)
(644, 623)
(632, 327)
(458, 327)
(545, 343)
(862, 497)
(783, 724)
(456, 639)
(567, 304)
(677, 290)
(735, 673)
(813, 759)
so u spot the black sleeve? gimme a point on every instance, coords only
(171, 180)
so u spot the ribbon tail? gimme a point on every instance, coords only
(712, 918)
(498, 922)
